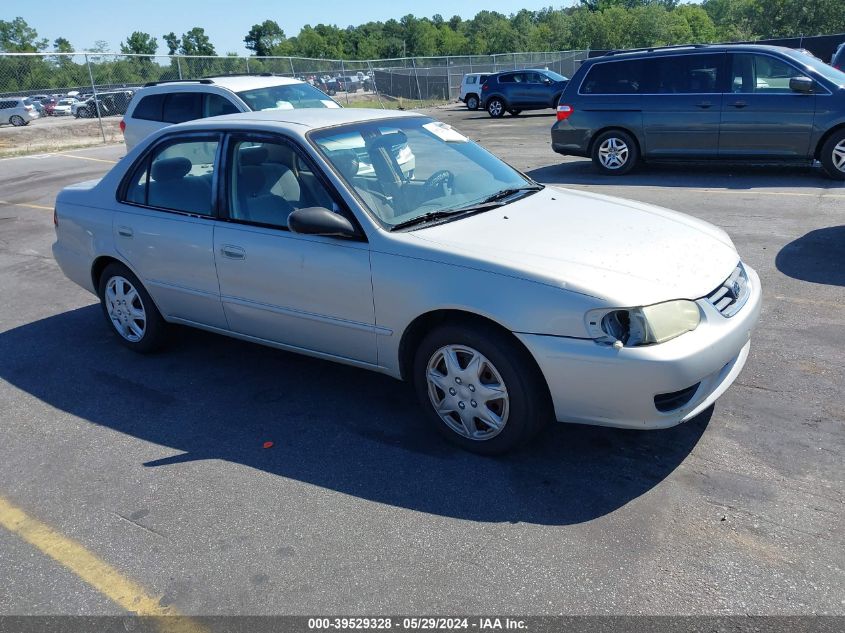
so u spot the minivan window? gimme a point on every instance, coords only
(149, 108)
(611, 78)
(685, 74)
(182, 106)
(761, 74)
(471, 79)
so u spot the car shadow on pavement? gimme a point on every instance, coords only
(818, 256)
(690, 175)
(345, 429)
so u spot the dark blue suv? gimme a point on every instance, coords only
(517, 90)
(725, 102)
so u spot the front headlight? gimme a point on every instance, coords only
(644, 325)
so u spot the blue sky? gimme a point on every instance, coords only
(83, 22)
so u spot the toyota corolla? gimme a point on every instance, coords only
(506, 303)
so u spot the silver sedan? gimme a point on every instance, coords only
(505, 303)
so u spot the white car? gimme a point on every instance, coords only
(471, 89)
(162, 103)
(505, 303)
(64, 107)
(17, 111)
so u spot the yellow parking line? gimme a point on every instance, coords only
(97, 160)
(97, 573)
(26, 204)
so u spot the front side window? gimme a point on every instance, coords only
(177, 176)
(286, 97)
(268, 181)
(761, 74)
(410, 168)
(217, 105)
(614, 78)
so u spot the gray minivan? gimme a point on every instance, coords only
(731, 102)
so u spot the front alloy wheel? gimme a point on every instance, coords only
(833, 156)
(468, 392)
(496, 108)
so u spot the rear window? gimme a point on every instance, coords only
(613, 78)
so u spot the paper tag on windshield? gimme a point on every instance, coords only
(445, 132)
(329, 103)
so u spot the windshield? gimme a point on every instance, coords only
(287, 97)
(554, 76)
(404, 169)
(826, 70)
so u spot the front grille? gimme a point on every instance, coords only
(732, 293)
(666, 402)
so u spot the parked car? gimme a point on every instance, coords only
(64, 107)
(17, 111)
(471, 89)
(838, 59)
(734, 102)
(517, 90)
(49, 104)
(162, 103)
(110, 104)
(505, 303)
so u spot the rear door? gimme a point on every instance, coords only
(761, 116)
(682, 105)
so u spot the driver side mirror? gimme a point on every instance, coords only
(801, 84)
(320, 221)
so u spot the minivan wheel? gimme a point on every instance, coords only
(479, 389)
(615, 153)
(130, 310)
(496, 108)
(17, 120)
(472, 102)
(833, 156)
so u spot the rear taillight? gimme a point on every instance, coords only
(485, 87)
(55, 217)
(123, 126)
(564, 112)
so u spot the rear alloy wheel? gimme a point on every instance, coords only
(479, 388)
(496, 108)
(472, 102)
(17, 121)
(130, 310)
(615, 153)
(833, 156)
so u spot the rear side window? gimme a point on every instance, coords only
(685, 74)
(5, 105)
(149, 108)
(177, 176)
(614, 78)
(182, 106)
(216, 105)
(507, 79)
(471, 79)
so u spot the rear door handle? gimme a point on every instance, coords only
(739, 104)
(232, 252)
(125, 231)
(704, 104)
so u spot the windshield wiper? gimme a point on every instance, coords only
(426, 217)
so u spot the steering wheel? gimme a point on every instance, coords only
(438, 184)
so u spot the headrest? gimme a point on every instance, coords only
(279, 153)
(170, 169)
(253, 155)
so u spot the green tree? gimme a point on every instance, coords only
(266, 39)
(196, 42)
(16, 36)
(140, 43)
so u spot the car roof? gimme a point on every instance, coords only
(307, 118)
(235, 83)
(663, 51)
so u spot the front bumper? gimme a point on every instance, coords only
(596, 384)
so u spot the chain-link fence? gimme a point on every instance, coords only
(76, 99)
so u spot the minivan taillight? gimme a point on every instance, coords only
(123, 126)
(564, 112)
(485, 87)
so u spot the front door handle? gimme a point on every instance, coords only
(125, 231)
(704, 104)
(232, 252)
(739, 104)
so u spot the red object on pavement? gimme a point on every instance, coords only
(268, 444)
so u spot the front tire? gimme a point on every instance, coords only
(833, 156)
(479, 388)
(472, 102)
(496, 108)
(130, 311)
(615, 153)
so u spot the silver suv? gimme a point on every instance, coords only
(162, 103)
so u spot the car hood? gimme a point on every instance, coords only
(624, 252)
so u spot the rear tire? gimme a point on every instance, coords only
(17, 121)
(129, 310)
(496, 108)
(490, 393)
(615, 153)
(833, 156)
(472, 102)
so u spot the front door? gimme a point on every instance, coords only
(761, 116)
(308, 292)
